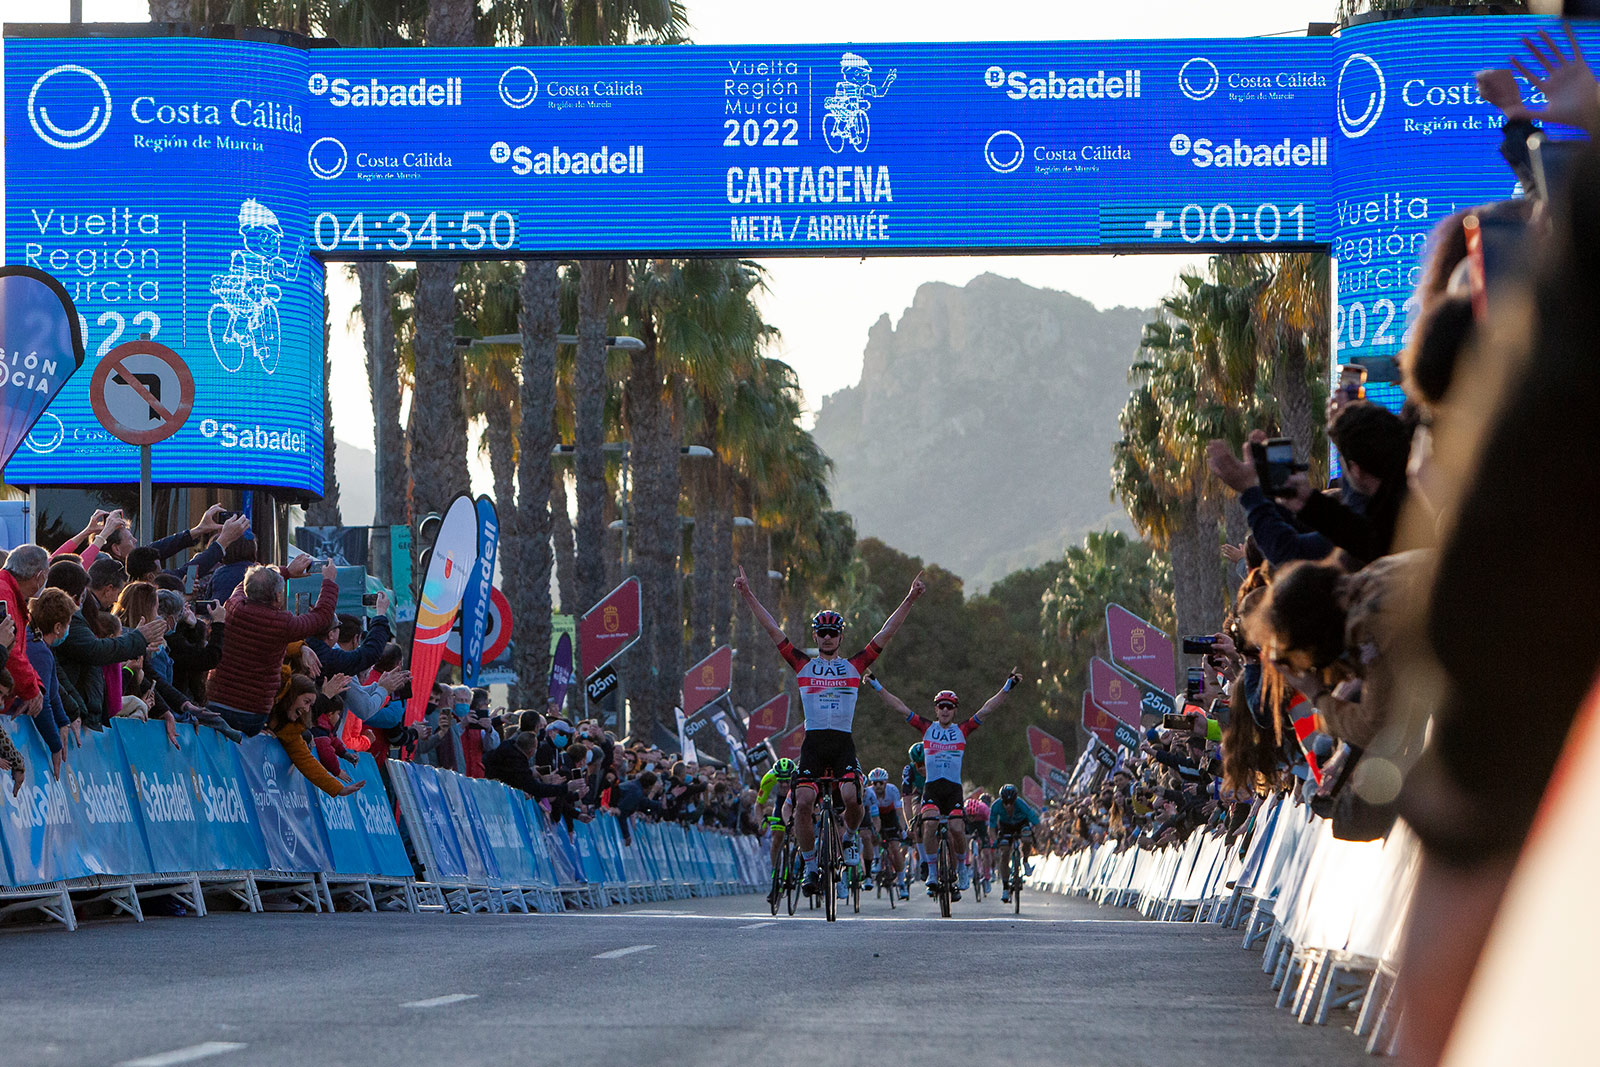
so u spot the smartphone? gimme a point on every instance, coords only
(1199, 645)
(189, 573)
(1176, 722)
(1195, 682)
(204, 607)
(1274, 462)
(369, 600)
(3, 609)
(1353, 380)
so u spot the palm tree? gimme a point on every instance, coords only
(1158, 466)
(1107, 568)
(438, 407)
(325, 511)
(697, 319)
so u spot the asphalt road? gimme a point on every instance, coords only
(714, 981)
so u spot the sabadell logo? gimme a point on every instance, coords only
(77, 93)
(1360, 81)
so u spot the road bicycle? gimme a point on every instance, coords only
(786, 875)
(975, 859)
(829, 854)
(1013, 873)
(888, 879)
(944, 865)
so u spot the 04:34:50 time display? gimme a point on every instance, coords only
(399, 232)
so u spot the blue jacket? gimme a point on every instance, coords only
(54, 715)
(1278, 538)
(359, 659)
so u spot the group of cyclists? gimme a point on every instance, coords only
(880, 818)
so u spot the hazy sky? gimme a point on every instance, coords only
(823, 307)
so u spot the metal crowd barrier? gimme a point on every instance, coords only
(208, 822)
(1328, 914)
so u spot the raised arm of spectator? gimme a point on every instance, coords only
(292, 737)
(1276, 535)
(763, 616)
(210, 558)
(891, 625)
(80, 539)
(319, 620)
(1345, 528)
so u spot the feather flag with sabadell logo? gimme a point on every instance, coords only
(450, 567)
(475, 597)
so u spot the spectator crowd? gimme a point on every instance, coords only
(106, 628)
(1413, 639)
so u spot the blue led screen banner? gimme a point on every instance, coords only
(759, 150)
(189, 188)
(164, 184)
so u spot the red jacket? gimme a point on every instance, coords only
(250, 673)
(22, 673)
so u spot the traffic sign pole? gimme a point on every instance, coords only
(147, 519)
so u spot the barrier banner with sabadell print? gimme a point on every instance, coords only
(36, 825)
(104, 810)
(362, 835)
(193, 800)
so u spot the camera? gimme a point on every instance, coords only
(1199, 645)
(1274, 462)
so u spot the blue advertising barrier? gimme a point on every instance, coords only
(289, 817)
(104, 808)
(192, 800)
(436, 827)
(36, 824)
(362, 835)
(132, 805)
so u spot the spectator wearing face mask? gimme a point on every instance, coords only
(50, 616)
(510, 764)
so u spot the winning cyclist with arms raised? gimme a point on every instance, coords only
(943, 744)
(829, 685)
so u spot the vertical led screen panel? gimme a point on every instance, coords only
(164, 183)
(789, 149)
(1414, 143)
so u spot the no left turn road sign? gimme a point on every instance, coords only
(142, 392)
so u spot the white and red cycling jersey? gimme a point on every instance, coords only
(829, 687)
(943, 746)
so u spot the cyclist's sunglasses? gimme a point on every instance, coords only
(945, 704)
(827, 631)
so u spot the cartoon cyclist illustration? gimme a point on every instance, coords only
(246, 312)
(846, 110)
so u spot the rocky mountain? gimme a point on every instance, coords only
(979, 436)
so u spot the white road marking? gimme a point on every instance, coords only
(618, 953)
(439, 1002)
(185, 1055)
(757, 926)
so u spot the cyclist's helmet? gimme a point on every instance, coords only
(1008, 794)
(878, 775)
(946, 696)
(827, 622)
(986, 797)
(785, 769)
(915, 752)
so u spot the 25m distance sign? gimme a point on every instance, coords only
(797, 148)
